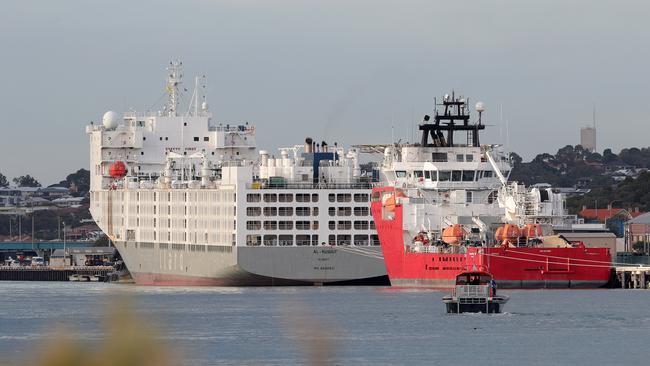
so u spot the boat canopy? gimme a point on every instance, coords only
(473, 278)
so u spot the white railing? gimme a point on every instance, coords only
(472, 291)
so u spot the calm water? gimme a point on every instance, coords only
(363, 325)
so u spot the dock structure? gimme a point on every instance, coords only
(634, 277)
(43, 273)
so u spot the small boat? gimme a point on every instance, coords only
(73, 278)
(475, 292)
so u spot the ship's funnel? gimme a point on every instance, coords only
(308, 145)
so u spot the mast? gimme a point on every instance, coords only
(174, 80)
(454, 117)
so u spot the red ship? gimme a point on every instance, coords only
(573, 266)
(448, 208)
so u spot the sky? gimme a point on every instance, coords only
(351, 72)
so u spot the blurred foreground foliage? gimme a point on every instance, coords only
(129, 341)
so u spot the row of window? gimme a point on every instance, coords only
(302, 240)
(347, 197)
(347, 225)
(281, 197)
(347, 211)
(306, 211)
(309, 225)
(281, 211)
(193, 247)
(443, 157)
(305, 197)
(281, 240)
(281, 225)
(447, 175)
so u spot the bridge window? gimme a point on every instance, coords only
(456, 175)
(468, 175)
(444, 175)
(439, 157)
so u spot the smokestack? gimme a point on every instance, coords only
(324, 145)
(308, 145)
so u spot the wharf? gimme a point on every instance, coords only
(43, 273)
(633, 277)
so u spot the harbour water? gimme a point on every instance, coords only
(345, 325)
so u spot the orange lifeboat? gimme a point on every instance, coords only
(117, 169)
(453, 234)
(508, 232)
(531, 231)
(389, 200)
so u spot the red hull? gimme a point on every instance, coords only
(511, 267)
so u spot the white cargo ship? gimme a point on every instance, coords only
(188, 201)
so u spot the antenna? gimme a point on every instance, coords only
(174, 79)
(593, 116)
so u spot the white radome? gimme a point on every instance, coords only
(480, 107)
(110, 120)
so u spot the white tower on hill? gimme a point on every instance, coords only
(588, 135)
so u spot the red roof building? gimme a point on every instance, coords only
(602, 214)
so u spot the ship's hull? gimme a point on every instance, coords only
(150, 264)
(526, 267)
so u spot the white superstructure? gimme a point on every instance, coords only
(450, 178)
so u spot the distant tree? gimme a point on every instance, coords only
(26, 181)
(609, 157)
(594, 157)
(80, 178)
(3, 181)
(516, 159)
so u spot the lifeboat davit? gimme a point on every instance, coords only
(531, 231)
(453, 234)
(508, 232)
(117, 169)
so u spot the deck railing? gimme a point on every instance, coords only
(472, 291)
